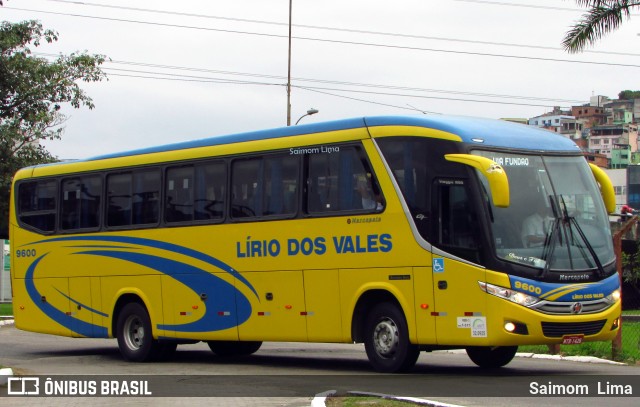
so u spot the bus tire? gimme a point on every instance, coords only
(387, 340)
(491, 357)
(135, 340)
(234, 348)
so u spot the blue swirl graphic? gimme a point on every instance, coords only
(565, 292)
(158, 245)
(196, 279)
(233, 306)
(74, 324)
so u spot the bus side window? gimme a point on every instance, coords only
(37, 204)
(80, 200)
(412, 163)
(179, 194)
(457, 226)
(265, 186)
(146, 197)
(133, 198)
(195, 193)
(341, 181)
(119, 199)
(281, 184)
(210, 190)
(245, 182)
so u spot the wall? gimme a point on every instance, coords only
(5, 281)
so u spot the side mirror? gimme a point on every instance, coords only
(606, 187)
(493, 172)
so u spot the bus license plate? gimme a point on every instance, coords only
(572, 339)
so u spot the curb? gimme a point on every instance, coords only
(320, 399)
(6, 321)
(5, 374)
(582, 359)
(413, 400)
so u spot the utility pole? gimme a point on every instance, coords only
(289, 70)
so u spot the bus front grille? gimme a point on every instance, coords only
(559, 329)
(563, 308)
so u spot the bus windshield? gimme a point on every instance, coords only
(556, 220)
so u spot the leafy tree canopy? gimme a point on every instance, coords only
(32, 92)
(629, 94)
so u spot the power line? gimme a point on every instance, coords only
(191, 78)
(501, 3)
(475, 42)
(344, 83)
(301, 25)
(312, 80)
(318, 89)
(421, 96)
(338, 29)
(360, 100)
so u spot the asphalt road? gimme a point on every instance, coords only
(290, 374)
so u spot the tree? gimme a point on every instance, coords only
(603, 17)
(629, 94)
(32, 91)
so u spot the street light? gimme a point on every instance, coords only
(309, 113)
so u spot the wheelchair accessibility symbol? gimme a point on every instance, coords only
(438, 265)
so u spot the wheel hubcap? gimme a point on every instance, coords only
(385, 338)
(134, 330)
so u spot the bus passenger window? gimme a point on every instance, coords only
(209, 194)
(342, 181)
(246, 178)
(264, 186)
(179, 194)
(119, 200)
(37, 204)
(281, 185)
(133, 198)
(146, 197)
(81, 203)
(195, 193)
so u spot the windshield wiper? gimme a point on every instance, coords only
(593, 253)
(571, 220)
(550, 242)
(550, 246)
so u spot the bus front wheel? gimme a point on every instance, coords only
(234, 348)
(387, 340)
(135, 340)
(491, 357)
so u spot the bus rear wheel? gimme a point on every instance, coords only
(135, 340)
(234, 348)
(491, 357)
(387, 340)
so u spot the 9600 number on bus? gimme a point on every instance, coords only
(26, 253)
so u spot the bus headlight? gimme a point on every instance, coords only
(613, 297)
(508, 294)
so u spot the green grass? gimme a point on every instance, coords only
(631, 312)
(357, 401)
(630, 352)
(6, 309)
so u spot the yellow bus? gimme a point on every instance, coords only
(406, 234)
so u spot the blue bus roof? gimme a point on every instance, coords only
(493, 133)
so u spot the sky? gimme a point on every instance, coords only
(185, 70)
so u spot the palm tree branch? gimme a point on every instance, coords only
(604, 17)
